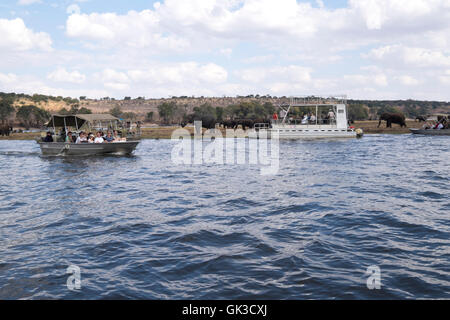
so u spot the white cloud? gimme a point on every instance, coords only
(408, 80)
(135, 29)
(292, 73)
(398, 55)
(7, 78)
(28, 2)
(259, 59)
(17, 37)
(226, 52)
(111, 75)
(73, 9)
(62, 75)
(113, 79)
(291, 47)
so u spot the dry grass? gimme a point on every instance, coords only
(371, 127)
(22, 136)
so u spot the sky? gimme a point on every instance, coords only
(366, 49)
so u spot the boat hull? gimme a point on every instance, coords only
(87, 149)
(431, 132)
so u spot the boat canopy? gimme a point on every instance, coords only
(78, 120)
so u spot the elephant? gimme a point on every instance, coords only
(245, 123)
(391, 118)
(5, 130)
(208, 122)
(229, 124)
(421, 118)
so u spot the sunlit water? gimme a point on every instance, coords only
(142, 228)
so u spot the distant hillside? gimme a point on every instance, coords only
(361, 109)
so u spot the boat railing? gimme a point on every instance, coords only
(312, 100)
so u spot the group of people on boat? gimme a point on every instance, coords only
(436, 125)
(311, 118)
(83, 137)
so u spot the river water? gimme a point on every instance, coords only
(140, 227)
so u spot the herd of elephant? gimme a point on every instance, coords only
(226, 124)
(5, 130)
(390, 118)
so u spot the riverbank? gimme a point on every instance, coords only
(369, 127)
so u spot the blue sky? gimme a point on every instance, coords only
(384, 49)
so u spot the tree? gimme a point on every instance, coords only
(6, 109)
(150, 116)
(32, 116)
(219, 113)
(206, 114)
(387, 109)
(167, 111)
(64, 111)
(116, 112)
(127, 98)
(129, 116)
(84, 110)
(74, 109)
(357, 112)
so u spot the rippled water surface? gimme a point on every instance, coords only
(141, 228)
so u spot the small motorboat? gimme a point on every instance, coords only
(431, 132)
(87, 123)
(427, 130)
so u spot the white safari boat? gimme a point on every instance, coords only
(309, 117)
(87, 123)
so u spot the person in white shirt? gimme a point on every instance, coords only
(81, 138)
(312, 119)
(331, 115)
(440, 126)
(99, 138)
(305, 119)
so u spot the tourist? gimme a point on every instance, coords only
(109, 138)
(82, 138)
(91, 138)
(69, 137)
(440, 126)
(331, 115)
(305, 119)
(99, 138)
(312, 119)
(48, 137)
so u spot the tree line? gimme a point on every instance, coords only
(27, 115)
(30, 115)
(173, 113)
